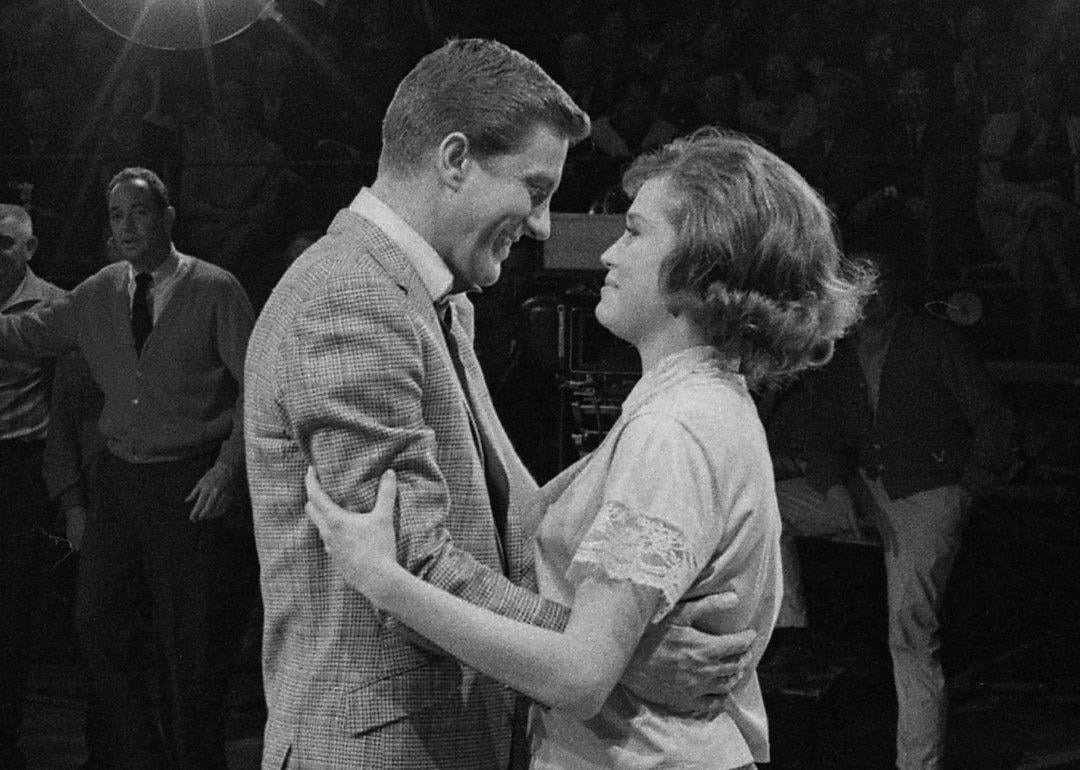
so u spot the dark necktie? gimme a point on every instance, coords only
(494, 473)
(142, 317)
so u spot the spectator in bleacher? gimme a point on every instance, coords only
(840, 29)
(839, 158)
(282, 111)
(38, 178)
(884, 56)
(925, 166)
(578, 73)
(230, 182)
(1029, 188)
(716, 100)
(81, 89)
(971, 67)
(624, 53)
(799, 39)
(634, 126)
(778, 110)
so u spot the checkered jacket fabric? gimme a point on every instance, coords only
(348, 370)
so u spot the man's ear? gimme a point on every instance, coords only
(31, 247)
(454, 160)
(170, 217)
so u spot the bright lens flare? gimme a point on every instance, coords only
(177, 24)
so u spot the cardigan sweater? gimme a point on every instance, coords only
(182, 396)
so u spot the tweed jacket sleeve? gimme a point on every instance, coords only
(369, 387)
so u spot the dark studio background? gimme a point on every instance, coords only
(829, 85)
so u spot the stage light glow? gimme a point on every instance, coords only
(177, 24)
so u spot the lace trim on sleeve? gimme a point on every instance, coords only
(625, 545)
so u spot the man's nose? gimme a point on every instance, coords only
(539, 222)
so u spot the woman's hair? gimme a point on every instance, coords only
(492, 94)
(756, 265)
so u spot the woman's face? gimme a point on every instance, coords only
(632, 306)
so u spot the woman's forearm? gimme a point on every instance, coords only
(573, 671)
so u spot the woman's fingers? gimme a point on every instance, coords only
(327, 514)
(384, 501)
(315, 491)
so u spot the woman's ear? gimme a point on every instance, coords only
(454, 160)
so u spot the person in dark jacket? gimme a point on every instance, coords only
(910, 419)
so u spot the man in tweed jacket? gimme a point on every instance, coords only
(361, 360)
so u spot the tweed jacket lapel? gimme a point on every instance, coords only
(520, 483)
(391, 259)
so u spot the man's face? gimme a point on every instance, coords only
(17, 244)
(140, 228)
(501, 199)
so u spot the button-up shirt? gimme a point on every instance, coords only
(24, 382)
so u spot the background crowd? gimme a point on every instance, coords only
(942, 134)
(941, 131)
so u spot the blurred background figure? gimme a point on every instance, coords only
(1029, 187)
(908, 418)
(24, 422)
(231, 178)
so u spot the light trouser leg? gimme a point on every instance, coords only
(805, 512)
(921, 537)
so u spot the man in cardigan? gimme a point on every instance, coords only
(24, 420)
(909, 417)
(362, 359)
(164, 335)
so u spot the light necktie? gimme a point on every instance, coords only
(142, 316)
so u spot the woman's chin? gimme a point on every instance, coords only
(606, 319)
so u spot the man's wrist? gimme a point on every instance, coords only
(222, 474)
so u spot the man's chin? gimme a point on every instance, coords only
(493, 272)
(490, 278)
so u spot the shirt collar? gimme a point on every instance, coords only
(434, 273)
(28, 289)
(163, 271)
(689, 362)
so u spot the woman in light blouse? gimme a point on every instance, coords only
(727, 277)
